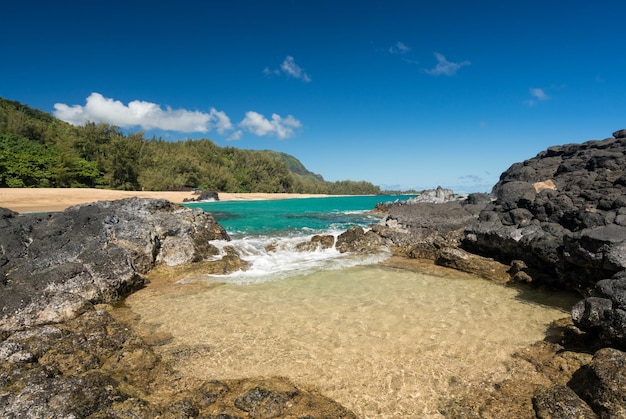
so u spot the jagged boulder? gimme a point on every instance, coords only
(562, 213)
(602, 383)
(434, 196)
(317, 242)
(355, 239)
(204, 195)
(560, 402)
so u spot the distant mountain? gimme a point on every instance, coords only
(296, 167)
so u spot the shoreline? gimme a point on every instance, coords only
(24, 200)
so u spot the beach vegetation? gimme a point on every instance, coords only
(38, 150)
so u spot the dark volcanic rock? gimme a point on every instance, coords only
(620, 133)
(424, 230)
(561, 213)
(559, 221)
(602, 384)
(560, 402)
(54, 264)
(204, 195)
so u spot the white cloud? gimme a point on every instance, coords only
(146, 115)
(280, 127)
(445, 67)
(399, 48)
(537, 95)
(268, 72)
(235, 136)
(291, 69)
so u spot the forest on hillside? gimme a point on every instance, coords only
(38, 150)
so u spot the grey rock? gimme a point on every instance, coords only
(434, 196)
(317, 242)
(560, 402)
(620, 133)
(355, 239)
(602, 384)
(515, 194)
(53, 264)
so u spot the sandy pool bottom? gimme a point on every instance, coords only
(383, 342)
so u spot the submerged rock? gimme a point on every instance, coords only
(93, 366)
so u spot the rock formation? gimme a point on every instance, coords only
(204, 195)
(63, 354)
(557, 220)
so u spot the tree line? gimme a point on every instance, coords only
(38, 150)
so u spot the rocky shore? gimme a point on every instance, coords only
(556, 221)
(63, 354)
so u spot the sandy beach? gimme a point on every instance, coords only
(57, 199)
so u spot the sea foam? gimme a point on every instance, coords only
(272, 258)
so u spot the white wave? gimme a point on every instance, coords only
(276, 258)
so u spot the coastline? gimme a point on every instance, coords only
(25, 200)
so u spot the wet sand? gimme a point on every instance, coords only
(57, 199)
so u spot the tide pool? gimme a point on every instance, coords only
(382, 341)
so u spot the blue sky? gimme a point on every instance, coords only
(404, 94)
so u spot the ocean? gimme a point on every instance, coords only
(382, 341)
(267, 232)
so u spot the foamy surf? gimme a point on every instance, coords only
(272, 258)
(268, 235)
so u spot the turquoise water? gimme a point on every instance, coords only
(293, 216)
(267, 234)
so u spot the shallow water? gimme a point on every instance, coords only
(383, 342)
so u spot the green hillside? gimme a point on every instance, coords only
(296, 167)
(38, 150)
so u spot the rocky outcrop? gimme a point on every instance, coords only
(559, 221)
(563, 213)
(54, 264)
(203, 196)
(355, 239)
(425, 230)
(570, 232)
(434, 196)
(63, 355)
